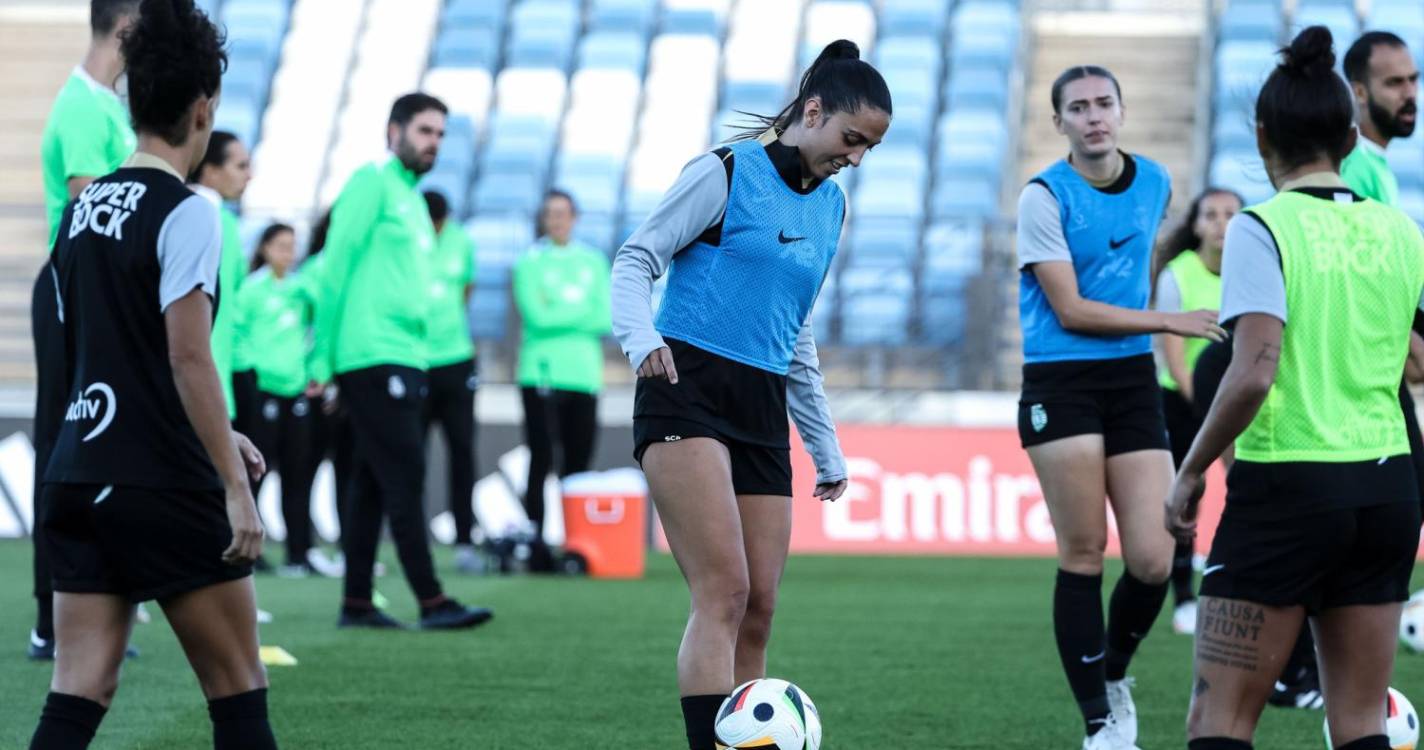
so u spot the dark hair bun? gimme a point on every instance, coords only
(1311, 53)
(840, 49)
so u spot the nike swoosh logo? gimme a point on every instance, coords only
(783, 239)
(1115, 244)
(1092, 659)
(1212, 569)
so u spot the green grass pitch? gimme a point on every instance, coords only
(897, 652)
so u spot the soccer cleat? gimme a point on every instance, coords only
(471, 561)
(1124, 712)
(1184, 618)
(1110, 737)
(452, 615)
(325, 565)
(293, 571)
(373, 619)
(1303, 691)
(40, 649)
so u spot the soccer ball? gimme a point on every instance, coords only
(1411, 625)
(768, 714)
(1401, 723)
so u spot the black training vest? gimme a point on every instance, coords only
(124, 423)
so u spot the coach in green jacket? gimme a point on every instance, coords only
(561, 287)
(370, 333)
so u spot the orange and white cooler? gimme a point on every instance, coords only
(606, 521)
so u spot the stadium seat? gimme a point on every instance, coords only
(508, 193)
(474, 14)
(451, 184)
(909, 52)
(829, 20)
(959, 197)
(489, 311)
(467, 48)
(883, 243)
(466, 91)
(623, 15)
(1251, 22)
(620, 50)
(1243, 172)
(875, 319)
(913, 18)
(700, 17)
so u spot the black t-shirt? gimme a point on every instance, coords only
(132, 243)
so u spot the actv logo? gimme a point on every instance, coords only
(96, 400)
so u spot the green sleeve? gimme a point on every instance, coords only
(352, 220)
(84, 148)
(599, 320)
(1357, 175)
(540, 314)
(467, 249)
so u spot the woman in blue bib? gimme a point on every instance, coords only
(749, 231)
(1090, 415)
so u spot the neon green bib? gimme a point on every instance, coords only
(1353, 274)
(1201, 290)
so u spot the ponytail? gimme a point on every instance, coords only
(839, 78)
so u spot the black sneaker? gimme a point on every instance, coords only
(452, 615)
(1303, 691)
(374, 619)
(40, 649)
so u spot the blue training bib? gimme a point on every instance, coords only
(747, 298)
(1110, 236)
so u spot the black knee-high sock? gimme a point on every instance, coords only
(240, 722)
(1131, 611)
(699, 714)
(44, 617)
(1373, 742)
(1078, 627)
(68, 722)
(1220, 743)
(1182, 572)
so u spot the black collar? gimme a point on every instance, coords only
(1124, 178)
(787, 160)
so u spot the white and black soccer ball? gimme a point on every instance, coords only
(768, 714)
(1401, 723)
(1411, 625)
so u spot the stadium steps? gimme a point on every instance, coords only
(1155, 58)
(36, 56)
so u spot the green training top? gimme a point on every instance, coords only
(1201, 290)
(452, 270)
(563, 299)
(1366, 171)
(231, 269)
(1353, 274)
(374, 300)
(87, 135)
(278, 315)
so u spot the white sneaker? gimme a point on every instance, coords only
(1124, 713)
(325, 565)
(1184, 618)
(1110, 737)
(470, 561)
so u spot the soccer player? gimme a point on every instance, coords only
(147, 493)
(749, 231)
(371, 320)
(222, 178)
(561, 291)
(276, 309)
(453, 374)
(87, 135)
(1090, 415)
(1188, 272)
(1322, 509)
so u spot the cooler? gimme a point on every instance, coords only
(605, 522)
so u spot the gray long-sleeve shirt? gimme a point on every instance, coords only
(694, 204)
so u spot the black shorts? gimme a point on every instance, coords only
(1316, 535)
(1182, 423)
(138, 543)
(1116, 398)
(740, 406)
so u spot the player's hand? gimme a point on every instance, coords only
(247, 533)
(251, 457)
(1186, 492)
(314, 389)
(831, 491)
(659, 365)
(1197, 324)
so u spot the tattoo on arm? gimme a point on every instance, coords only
(1269, 353)
(1202, 687)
